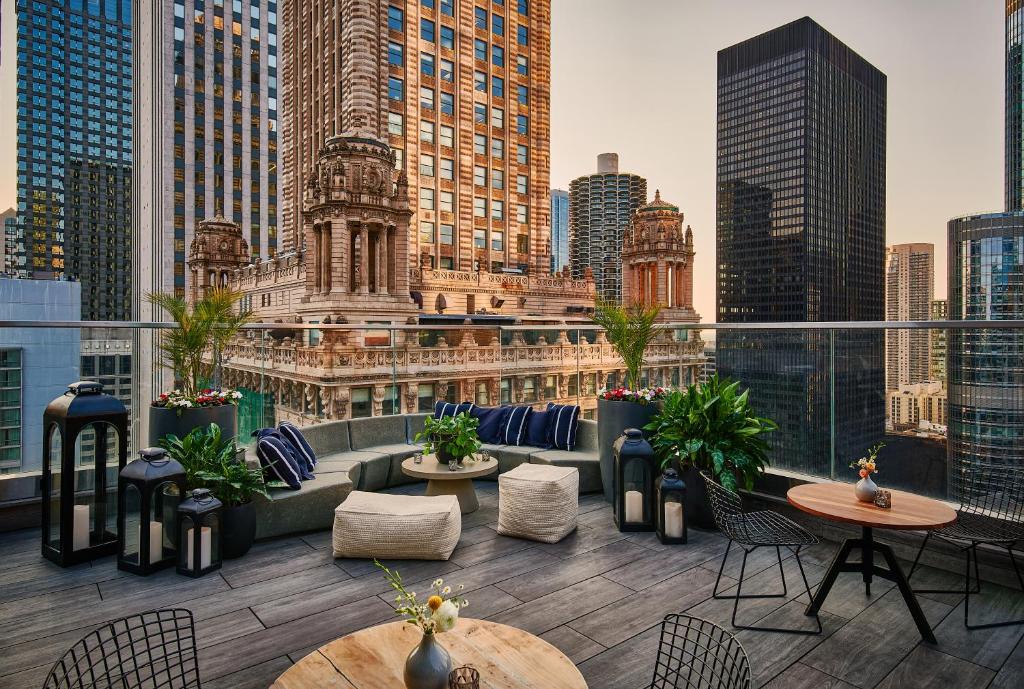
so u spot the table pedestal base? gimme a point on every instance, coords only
(866, 566)
(462, 488)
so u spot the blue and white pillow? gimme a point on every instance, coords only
(514, 432)
(537, 429)
(491, 423)
(562, 423)
(451, 409)
(300, 447)
(276, 458)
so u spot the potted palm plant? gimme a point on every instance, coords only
(710, 427)
(629, 329)
(450, 437)
(192, 350)
(213, 461)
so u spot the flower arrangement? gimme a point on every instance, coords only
(868, 465)
(641, 396)
(176, 399)
(438, 614)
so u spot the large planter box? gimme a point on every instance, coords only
(613, 418)
(164, 421)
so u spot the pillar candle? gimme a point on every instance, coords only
(205, 540)
(81, 528)
(673, 520)
(156, 542)
(634, 506)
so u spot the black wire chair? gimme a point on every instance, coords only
(991, 512)
(697, 654)
(153, 650)
(750, 531)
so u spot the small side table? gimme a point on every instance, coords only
(443, 481)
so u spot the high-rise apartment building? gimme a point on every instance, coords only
(909, 289)
(559, 230)
(209, 113)
(74, 149)
(939, 311)
(801, 237)
(600, 208)
(1014, 124)
(8, 224)
(466, 101)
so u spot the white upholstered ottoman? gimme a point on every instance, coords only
(400, 527)
(539, 502)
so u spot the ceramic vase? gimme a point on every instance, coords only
(865, 489)
(428, 665)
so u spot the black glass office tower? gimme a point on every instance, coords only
(801, 237)
(74, 147)
(1014, 166)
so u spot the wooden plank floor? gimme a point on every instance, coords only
(599, 595)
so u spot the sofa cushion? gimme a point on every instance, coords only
(442, 408)
(511, 456)
(491, 422)
(562, 425)
(311, 508)
(537, 429)
(277, 460)
(414, 424)
(515, 426)
(407, 527)
(588, 464)
(376, 430)
(398, 454)
(300, 448)
(328, 437)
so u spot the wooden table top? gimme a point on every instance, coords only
(836, 501)
(430, 468)
(374, 658)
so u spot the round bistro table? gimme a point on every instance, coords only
(374, 658)
(836, 502)
(443, 481)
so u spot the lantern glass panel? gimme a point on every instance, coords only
(164, 502)
(102, 439)
(636, 482)
(185, 528)
(212, 522)
(132, 524)
(53, 537)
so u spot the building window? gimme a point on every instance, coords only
(523, 6)
(498, 149)
(522, 154)
(497, 210)
(448, 37)
(447, 136)
(497, 118)
(427, 165)
(447, 201)
(396, 88)
(447, 70)
(498, 179)
(425, 391)
(396, 124)
(523, 35)
(396, 54)
(480, 239)
(447, 234)
(479, 113)
(427, 30)
(427, 64)
(522, 213)
(523, 95)
(396, 18)
(479, 175)
(498, 24)
(480, 81)
(447, 168)
(362, 405)
(523, 243)
(426, 131)
(505, 391)
(522, 184)
(497, 56)
(447, 103)
(480, 49)
(448, 7)
(497, 240)
(429, 4)
(497, 87)
(426, 98)
(550, 387)
(482, 396)
(480, 144)
(426, 232)
(426, 199)
(480, 17)
(523, 65)
(530, 389)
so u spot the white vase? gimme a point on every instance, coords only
(865, 489)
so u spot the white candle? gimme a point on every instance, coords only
(81, 528)
(673, 520)
(156, 542)
(205, 540)
(634, 506)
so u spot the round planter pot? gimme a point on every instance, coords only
(239, 530)
(697, 504)
(612, 419)
(164, 421)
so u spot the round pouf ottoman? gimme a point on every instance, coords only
(538, 502)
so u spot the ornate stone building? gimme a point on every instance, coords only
(217, 249)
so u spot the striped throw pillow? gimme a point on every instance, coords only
(300, 447)
(562, 422)
(277, 460)
(451, 409)
(514, 431)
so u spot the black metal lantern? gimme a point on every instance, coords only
(149, 491)
(199, 525)
(671, 512)
(85, 436)
(634, 482)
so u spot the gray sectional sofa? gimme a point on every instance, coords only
(367, 454)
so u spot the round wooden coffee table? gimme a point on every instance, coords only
(443, 481)
(836, 502)
(374, 658)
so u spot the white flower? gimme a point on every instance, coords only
(236, 395)
(446, 590)
(446, 616)
(438, 583)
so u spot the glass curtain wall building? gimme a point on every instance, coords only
(559, 230)
(74, 149)
(1014, 165)
(801, 236)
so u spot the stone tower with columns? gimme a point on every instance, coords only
(657, 261)
(218, 249)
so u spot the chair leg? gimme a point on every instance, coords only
(917, 558)
(950, 591)
(973, 551)
(1016, 569)
(739, 594)
(721, 568)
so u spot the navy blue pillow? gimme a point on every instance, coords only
(300, 447)
(492, 420)
(515, 429)
(277, 460)
(537, 429)
(562, 422)
(451, 409)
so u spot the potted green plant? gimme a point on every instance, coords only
(450, 437)
(192, 350)
(213, 461)
(710, 427)
(630, 330)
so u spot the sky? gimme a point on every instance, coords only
(637, 77)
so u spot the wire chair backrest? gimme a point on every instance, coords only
(991, 490)
(153, 650)
(697, 654)
(727, 508)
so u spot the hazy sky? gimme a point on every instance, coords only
(637, 77)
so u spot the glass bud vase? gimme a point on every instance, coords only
(428, 665)
(865, 489)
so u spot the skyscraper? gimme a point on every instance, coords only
(600, 208)
(559, 230)
(466, 91)
(801, 237)
(909, 288)
(1014, 152)
(74, 149)
(937, 341)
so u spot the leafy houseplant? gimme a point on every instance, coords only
(211, 461)
(450, 437)
(711, 427)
